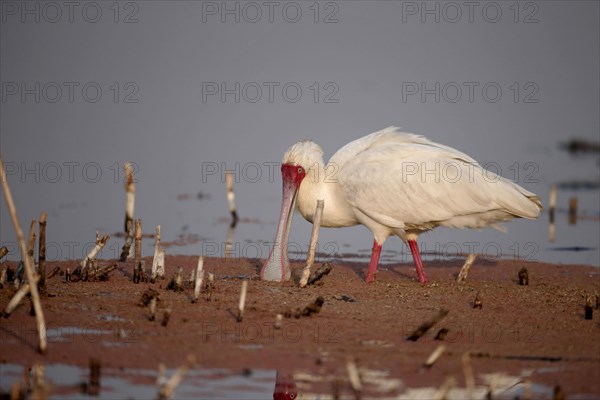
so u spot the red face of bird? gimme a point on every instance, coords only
(276, 267)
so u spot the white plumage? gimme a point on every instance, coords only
(402, 184)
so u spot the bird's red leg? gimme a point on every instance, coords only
(414, 249)
(374, 261)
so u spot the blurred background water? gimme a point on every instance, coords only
(187, 90)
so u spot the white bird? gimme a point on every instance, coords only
(394, 183)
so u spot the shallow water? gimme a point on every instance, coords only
(132, 383)
(67, 382)
(353, 67)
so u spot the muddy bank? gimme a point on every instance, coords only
(536, 334)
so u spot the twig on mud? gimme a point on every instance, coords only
(310, 257)
(16, 299)
(437, 353)
(242, 303)
(92, 255)
(29, 269)
(231, 198)
(441, 334)
(464, 271)
(442, 392)
(54, 272)
(100, 273)
(425, 326)
(147, 296)
(319, 273)
(176, 282)
(523, 277)
(478, 302)
(354, 377)
(199, 277)
(167, 389)
(312, 308)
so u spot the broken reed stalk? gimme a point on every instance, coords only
(92, 254)
(199, 277)
(353, 375)
(319, 273)
(424, 327)
(130, 189)
(42, 253)
(126, 251)
(166, 317)
(242, 304)
(152, 309)
(551, 228)
(160, 263)
(31, 244)
(231, 198)
(469, 376)
(101, 273)
(40, 389)
(155, 260)
(573, 210)
(139, 275)
(16, 299)
(464, 271)
(523, 277)
(442, 392)
(437, 353)
(29, 269)
(166, 390)
(278, 320)
(478, 302)
(310, 258)
(93, 388)
(3, 251)
(3, 278)
(138, 240)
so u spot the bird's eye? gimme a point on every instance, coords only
(300, 170)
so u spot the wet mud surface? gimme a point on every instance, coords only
(523, 340)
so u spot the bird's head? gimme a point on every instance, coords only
(302, 160)
(298, 162)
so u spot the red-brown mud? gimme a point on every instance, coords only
(536, 331)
